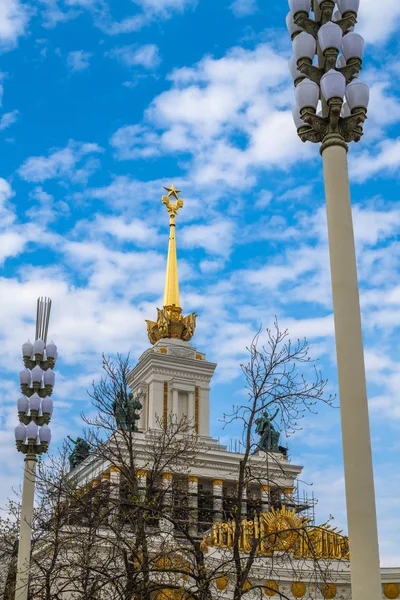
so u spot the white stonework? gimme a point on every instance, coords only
(176, 369)
(184, 369)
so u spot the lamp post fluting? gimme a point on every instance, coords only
(332, 83)
(32, 434)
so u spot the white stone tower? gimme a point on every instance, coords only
(172, 377)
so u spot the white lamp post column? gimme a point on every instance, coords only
(33, 434)
(330, 35)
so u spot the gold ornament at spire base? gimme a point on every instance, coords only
(170, 322)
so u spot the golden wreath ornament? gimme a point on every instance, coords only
(299, 589)
(391, 591)
(329, 591)
(283, 529)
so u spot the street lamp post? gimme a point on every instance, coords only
(33, 434)
(329, 34)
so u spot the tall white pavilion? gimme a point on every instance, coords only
(173, 378)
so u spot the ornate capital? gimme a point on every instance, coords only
(141, 472)
(216, 482)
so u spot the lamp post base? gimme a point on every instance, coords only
(24, 547)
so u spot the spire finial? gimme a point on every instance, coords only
(171, 292)
(170, 323)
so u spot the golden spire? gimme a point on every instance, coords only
(171, 292)
(170, 322)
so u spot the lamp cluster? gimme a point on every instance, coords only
(333, 83)
(35, 406)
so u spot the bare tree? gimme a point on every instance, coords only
(282, 383)
(138, 534)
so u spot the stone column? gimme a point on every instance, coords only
(265, 492)
(288, 497)
(141, 479)
(218, 503)
(166, 525)
(191, 414)
(115, 482)
(356, 439)
(105, 485)
(244, 502)
(167, 490)
(193, 504)
(105, 477)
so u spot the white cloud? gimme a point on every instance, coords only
(2, 76)
(242, 8)
(61, 164)
(145, 12)
(245, 93)
(134, 231)
(135, 141)
(78, 60)
(8, 119)
(146, 56)
(165, 7)
(378, 20)
(383, 158)
(6, 213)
(215, 238)
(45, 208)
(14, 18)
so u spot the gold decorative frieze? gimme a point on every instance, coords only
(193, 479)
(282, 530)
(115, 470)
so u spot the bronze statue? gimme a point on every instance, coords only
(79, 453)
(126, 411)
(269, 437)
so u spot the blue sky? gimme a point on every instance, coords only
(103, 103)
